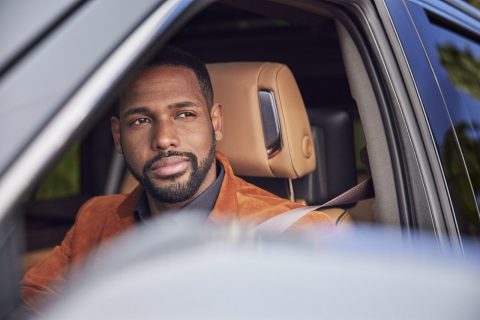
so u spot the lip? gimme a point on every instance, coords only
(170, 166)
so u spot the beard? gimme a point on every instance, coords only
(176, 191)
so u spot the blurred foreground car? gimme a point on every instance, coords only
(405, 73)
(231, 273)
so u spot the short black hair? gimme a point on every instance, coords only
(175, 57)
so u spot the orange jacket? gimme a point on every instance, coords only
(101, 218)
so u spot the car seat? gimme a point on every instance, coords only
(268, 139)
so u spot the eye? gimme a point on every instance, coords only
(139, 121)
(184, 115)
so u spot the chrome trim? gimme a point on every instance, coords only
(17, 178)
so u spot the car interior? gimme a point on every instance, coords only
(304, 137)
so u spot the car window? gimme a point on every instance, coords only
(215, 25)
(454, 53)
(460, 59)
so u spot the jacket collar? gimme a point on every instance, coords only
(226, 206)
(127, 206)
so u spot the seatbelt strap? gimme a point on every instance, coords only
(279, 223)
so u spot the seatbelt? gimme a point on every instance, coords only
(279, 223)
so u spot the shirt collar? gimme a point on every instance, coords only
(204, 203)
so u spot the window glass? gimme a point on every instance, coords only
(456, 62)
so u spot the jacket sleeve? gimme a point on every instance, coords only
(314, 221)
(46, 279)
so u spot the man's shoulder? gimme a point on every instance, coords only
(97, 219)
(259, 205)
(100, 207)
(260, 201)
(255, 193)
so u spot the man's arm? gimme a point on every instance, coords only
(315, 220)
(92, 225)
(47, 278)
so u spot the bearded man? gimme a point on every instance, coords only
(167, 128)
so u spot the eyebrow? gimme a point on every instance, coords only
(183, 104)
(135, 110)
(145, 110)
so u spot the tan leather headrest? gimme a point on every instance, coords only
(248, 92)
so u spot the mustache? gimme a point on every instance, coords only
(165, 154)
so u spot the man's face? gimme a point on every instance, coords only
(167, 133)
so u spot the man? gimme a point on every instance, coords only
(166, 129)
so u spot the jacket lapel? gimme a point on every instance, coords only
(123, 218)
(226, 206)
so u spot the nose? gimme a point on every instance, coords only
(165, 135)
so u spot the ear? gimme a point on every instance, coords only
(216, 114)
(115, 126)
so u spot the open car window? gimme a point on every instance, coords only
(319, 69)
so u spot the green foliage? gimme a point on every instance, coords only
(464, 72)
(64, 179)
(463, 69)
(454, 169)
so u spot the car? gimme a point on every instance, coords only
(402, 74)
(217, 273)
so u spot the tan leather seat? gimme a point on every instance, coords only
(266, 128)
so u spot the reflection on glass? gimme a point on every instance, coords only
(462, 68)
(463, 71)
(453, 50)
(460, 189)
